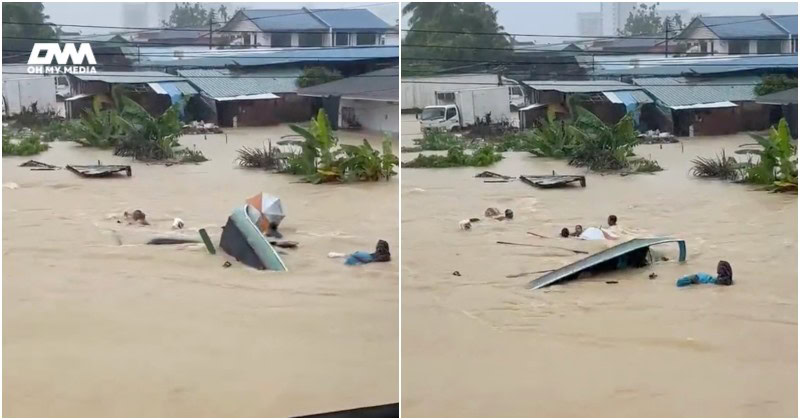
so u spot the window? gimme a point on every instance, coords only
(366, 39)
(280, 39)
(739, 46)
(451, 112)
(342, 38)
(768, 46)
(514, 91)
(310, 39)
(446, 96)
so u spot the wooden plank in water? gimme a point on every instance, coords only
(552, 181)
(98, 171)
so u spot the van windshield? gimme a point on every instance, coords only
(432, 114)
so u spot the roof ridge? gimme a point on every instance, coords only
(314, 15)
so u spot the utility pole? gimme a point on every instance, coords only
(210, 33)
(666, 37)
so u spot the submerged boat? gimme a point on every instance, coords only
(628, 254)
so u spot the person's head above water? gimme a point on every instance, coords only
(724, 273)
(612, 220)
(578, 230)
(564, 233)
(381, 253)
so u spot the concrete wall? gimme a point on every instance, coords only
(372, 115)
(24, 92)
(288, 108)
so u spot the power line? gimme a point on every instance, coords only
(654, 37)
(597, 53)
(589, 82)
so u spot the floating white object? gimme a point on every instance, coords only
(177, 223)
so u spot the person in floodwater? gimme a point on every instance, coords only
(381, 254)
(565, 233)
(612, 220)
(724, 276)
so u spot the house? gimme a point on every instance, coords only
(557, 61)
(370, 101)
(762, 34)
(700, 66)
(154, 91)
(174, 36)
(285, 28)
(706, 106)
(253, 98)
(608, 99)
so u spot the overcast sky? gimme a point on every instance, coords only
(111, 14)
(561, 18)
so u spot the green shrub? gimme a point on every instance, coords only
(720, 166)
(456, 157)
(27, 146)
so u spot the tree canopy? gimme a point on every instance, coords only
(645, 20)
(195, 15)
(18, 40)
(458, 32)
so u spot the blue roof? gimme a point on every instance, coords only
(223, 58)
(314, 20)
(284, 20)
(788, 22)
(770, 63)
(743, 27)
(224, 83)
(340, 19)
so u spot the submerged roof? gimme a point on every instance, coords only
(381, 85)
(709, 65)
(127, 77)
(294, 20)
(225, 83)
(680, 91)
(580, 86)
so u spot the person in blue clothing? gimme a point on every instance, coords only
(381, 254)
(724, 277)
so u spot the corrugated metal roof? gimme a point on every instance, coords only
(783, 97)
(744, 27)
(579, 86)
(340, 19)
(787, 22)
(128, 77)
(628, 96)
(224, 83)
(676, 91)
(378, 85)
(268, 57)
(707, 66)
(284, 20)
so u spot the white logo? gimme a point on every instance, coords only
(78, 57)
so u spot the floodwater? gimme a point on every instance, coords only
(481, 344)
(97, 324)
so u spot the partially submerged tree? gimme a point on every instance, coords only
(188, 15)
(645, 20)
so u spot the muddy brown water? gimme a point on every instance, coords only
(481, 344)
(92, 328)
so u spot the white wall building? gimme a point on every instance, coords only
(24, 90)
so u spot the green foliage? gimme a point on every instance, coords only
(147, 137)
(313, 76)
(456, 157)
(644, 20)
(34, 118)
(646, 166)
(264, 158)
(777, 162)
(774, 83)
(190, 156)
(27, 146)
(189, 15)
(720, 166)
(97, 127)
(463, 19)
(551, 138)
(435, 140)
(599, 146)
(322, 160)
(18, 37)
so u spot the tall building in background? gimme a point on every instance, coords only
(614, 15)
(590, 24)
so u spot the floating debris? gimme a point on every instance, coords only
(99, 171)
(552, 181)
